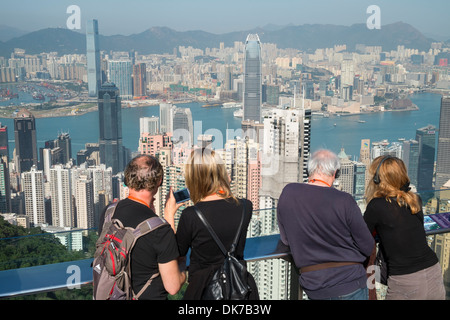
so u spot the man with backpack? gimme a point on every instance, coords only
(154, 266)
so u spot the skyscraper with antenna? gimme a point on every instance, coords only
(252, 98)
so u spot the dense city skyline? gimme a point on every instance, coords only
(429, 17)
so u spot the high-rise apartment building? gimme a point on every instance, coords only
(110, 125)
(61, 196)
(443, 151)
(5, 187)
(426, 137)
(286, 149)
(25, 141)
(346, 179)
(242, 158)
(102, 188)
(120, 73)
(94, 75)
(149, 125)
(228, 78)
(252, 97)
(84, 201)
(4, 146)
(166, 117)
(352, 177)
(364, 157)
(347, 72)
(33, 188)
(139, 80)
(152, 143)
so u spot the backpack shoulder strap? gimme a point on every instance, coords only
(238, 233)
(148, 225)
(214, 235)
(110, 211)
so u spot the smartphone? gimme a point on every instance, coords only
(181, 195)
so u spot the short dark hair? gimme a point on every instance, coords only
(143, 172)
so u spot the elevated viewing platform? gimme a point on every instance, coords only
(75, 274)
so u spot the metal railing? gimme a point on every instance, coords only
(70, 268)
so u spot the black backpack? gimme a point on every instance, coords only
(112, 258)
(230, 281)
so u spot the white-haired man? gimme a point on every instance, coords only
(326, 233)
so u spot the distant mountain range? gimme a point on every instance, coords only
(163, 40)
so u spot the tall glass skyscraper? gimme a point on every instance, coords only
(252, 98)
(443, 152)
(120, 72)
(426, 137)
(110, 124)
(25, 141)
(411, 159)
(182, 125)
(93, 58)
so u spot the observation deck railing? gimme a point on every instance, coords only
(27, 274)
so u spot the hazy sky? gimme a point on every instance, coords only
(221, 16)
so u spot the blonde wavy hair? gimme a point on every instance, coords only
(393, 183)
(206, 174)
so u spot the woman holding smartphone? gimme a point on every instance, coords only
(394, 214)
(209, 187)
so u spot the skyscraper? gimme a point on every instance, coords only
(93, 58)
(411, 159)
(139, 80)
(252, 97)
(149, 125)
(65, 143)
(183, 129)
(61, 196)
(110, 124)
(84, 201)
(5, 192)
(364, 157)
(166, 117)
(426, 137)
(443, 152)
(242, 158)
(286, 150)
(25, 141)
(33, 187)
(4, 147)
(346, 178)
(120, 72)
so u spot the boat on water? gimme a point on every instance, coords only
(38, 96)
(362, 121)
(211, 105)
(238, 113)
(229, 105)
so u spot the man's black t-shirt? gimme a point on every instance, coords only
(158, 246)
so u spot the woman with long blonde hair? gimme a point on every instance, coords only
(394, 216)
(209, 188)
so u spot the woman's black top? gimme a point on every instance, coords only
(224, 217)
(402, 236)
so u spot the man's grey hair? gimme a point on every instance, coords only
(323, 161)
(144, 172)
